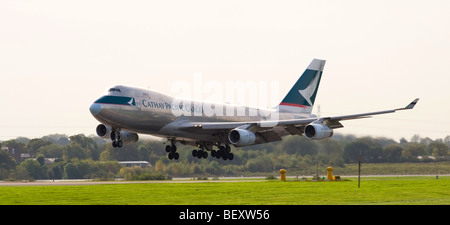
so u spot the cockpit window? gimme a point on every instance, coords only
(114, 90)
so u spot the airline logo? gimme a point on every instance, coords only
(303, 93)
(309, 91)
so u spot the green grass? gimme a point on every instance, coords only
(383, 190)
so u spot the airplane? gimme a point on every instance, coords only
(126, 111)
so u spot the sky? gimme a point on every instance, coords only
(57, 57)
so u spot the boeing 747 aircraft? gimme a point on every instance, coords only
(126, 111)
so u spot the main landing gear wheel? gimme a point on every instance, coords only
(172, 150)
(117, 144)
(223, 152)
(200, 153)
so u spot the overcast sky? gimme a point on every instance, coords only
(57, 57)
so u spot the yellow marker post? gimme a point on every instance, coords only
(330, 173)
(283, 174)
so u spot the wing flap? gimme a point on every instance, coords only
(269, 135)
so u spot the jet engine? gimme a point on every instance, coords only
(128, 137)
(241, 137)
(125, 136)
(317, 131)
(103, 131)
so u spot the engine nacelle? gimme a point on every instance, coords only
(241, 137)
(128, 137)
(317, 131)
(125, 136)
(103, 131)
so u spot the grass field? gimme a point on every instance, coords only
(373, 191)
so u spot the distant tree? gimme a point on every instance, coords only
(412, 151)
(415, 138)
(87, 143)
(6, 162)
(447, 140)
(213, 168)
(35, 144)
(4, 174)
(403, 140)
(260, 164)
(370, 150)
(56, 170)
(33, 169)
(41, 159)
(426, 141)
(17, 146)
(74, 150)
(129, 152)
(331, 147)
(299, 145)
(23, 140)
(108, 155)
(160, 166)
(51, 150)
(126, 153)
(353, 150)
(175, 169)
(392, 153)
(60, 139)
(71, 171)
(144, 153)
(84, 168)
(439, 150)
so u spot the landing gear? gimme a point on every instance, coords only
(172, 150)
(224, 152)
(116, 140)
(117, 144)
(200, 153)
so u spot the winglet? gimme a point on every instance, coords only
(411, 105)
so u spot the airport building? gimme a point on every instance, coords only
(142, 164)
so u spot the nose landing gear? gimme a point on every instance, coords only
(116, 140)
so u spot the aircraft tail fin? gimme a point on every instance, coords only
(301, 97)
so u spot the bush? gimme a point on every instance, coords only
(138, 173)
(151, 176)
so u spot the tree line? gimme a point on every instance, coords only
(82, 157)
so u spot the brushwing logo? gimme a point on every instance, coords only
(309, 91)
(132, 102)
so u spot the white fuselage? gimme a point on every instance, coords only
(150, 112)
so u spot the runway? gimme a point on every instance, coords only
(75, 182)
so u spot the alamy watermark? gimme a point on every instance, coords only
(255, 99)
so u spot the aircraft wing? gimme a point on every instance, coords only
(365, 115)
(273, 130)
(303, 121)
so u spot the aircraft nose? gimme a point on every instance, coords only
(95, 109)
